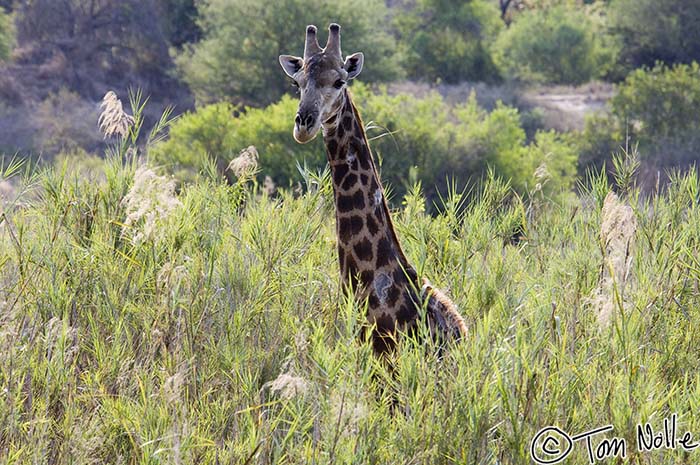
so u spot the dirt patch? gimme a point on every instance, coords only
(563, 108)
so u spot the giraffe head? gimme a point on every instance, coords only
(321, 76)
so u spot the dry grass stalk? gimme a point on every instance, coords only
(246, 163)
(114, 121)
(150, 200)
(618, 227)
(288, 386)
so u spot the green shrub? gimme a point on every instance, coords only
(448, 40)
(655, 109)
(214, 132)
(242, 39)
(602, 136)
(660, 103)
(656, 30)
(436, 143)
(560, 45)
(414, 138)
(6, 35)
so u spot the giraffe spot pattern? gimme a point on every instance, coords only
(350, 181)
(350, 266)
(363, 250)
(385, 252)
(348, 227)
(339, 172)
(364, 157)
(332, 147)
(393, 295)
(347, 203)
(341, 257)
(372, 225)
(406, 313)
(340, 131)
(385, 323)
(347, 122)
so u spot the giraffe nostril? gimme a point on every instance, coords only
(309, 122)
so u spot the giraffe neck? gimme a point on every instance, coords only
(368, 249)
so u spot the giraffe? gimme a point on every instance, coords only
(371, 259)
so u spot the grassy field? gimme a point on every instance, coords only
(140, 326)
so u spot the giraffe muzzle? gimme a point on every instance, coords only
(305, 127)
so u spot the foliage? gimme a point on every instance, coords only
(561, 44)
(602, 136)
(179, 21)
(214, 132)
(415, 139)
(656, 30)
(448, 40)
(660, 103)
(82, 44)
(242, 39)
(224, 337)
(654, 108)
(6, 35)
(430, 140)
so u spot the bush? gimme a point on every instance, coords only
(559, 45)
(214, 132)
(656, 30)
(448, 40)
(6, 35)
(414, 138)
(655, 109)
(242, 39)
(602, 136)
(660, 103)
(436, 143)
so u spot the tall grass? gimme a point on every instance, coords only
(221, 336)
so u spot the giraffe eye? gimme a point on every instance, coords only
(339, 83)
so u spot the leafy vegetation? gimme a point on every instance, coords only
(146, 318)
(243, 38)
(650, 108)
(143, 326)
(656, 30)
(448, 40)
(562, 44)
(416, 139)
(6, 35)
(212, 133)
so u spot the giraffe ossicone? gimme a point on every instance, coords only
(370, 255)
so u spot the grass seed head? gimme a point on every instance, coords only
(114, 121)
(246, 163)
(288, 386)
(150, 200)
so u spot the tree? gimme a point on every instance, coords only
(179, 21)
(448, 40)
(92, 45)
(237, 59)
(6, 35)
(656, 30)
(559, 44)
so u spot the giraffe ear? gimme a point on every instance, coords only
(353, 64)
(291, 64)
